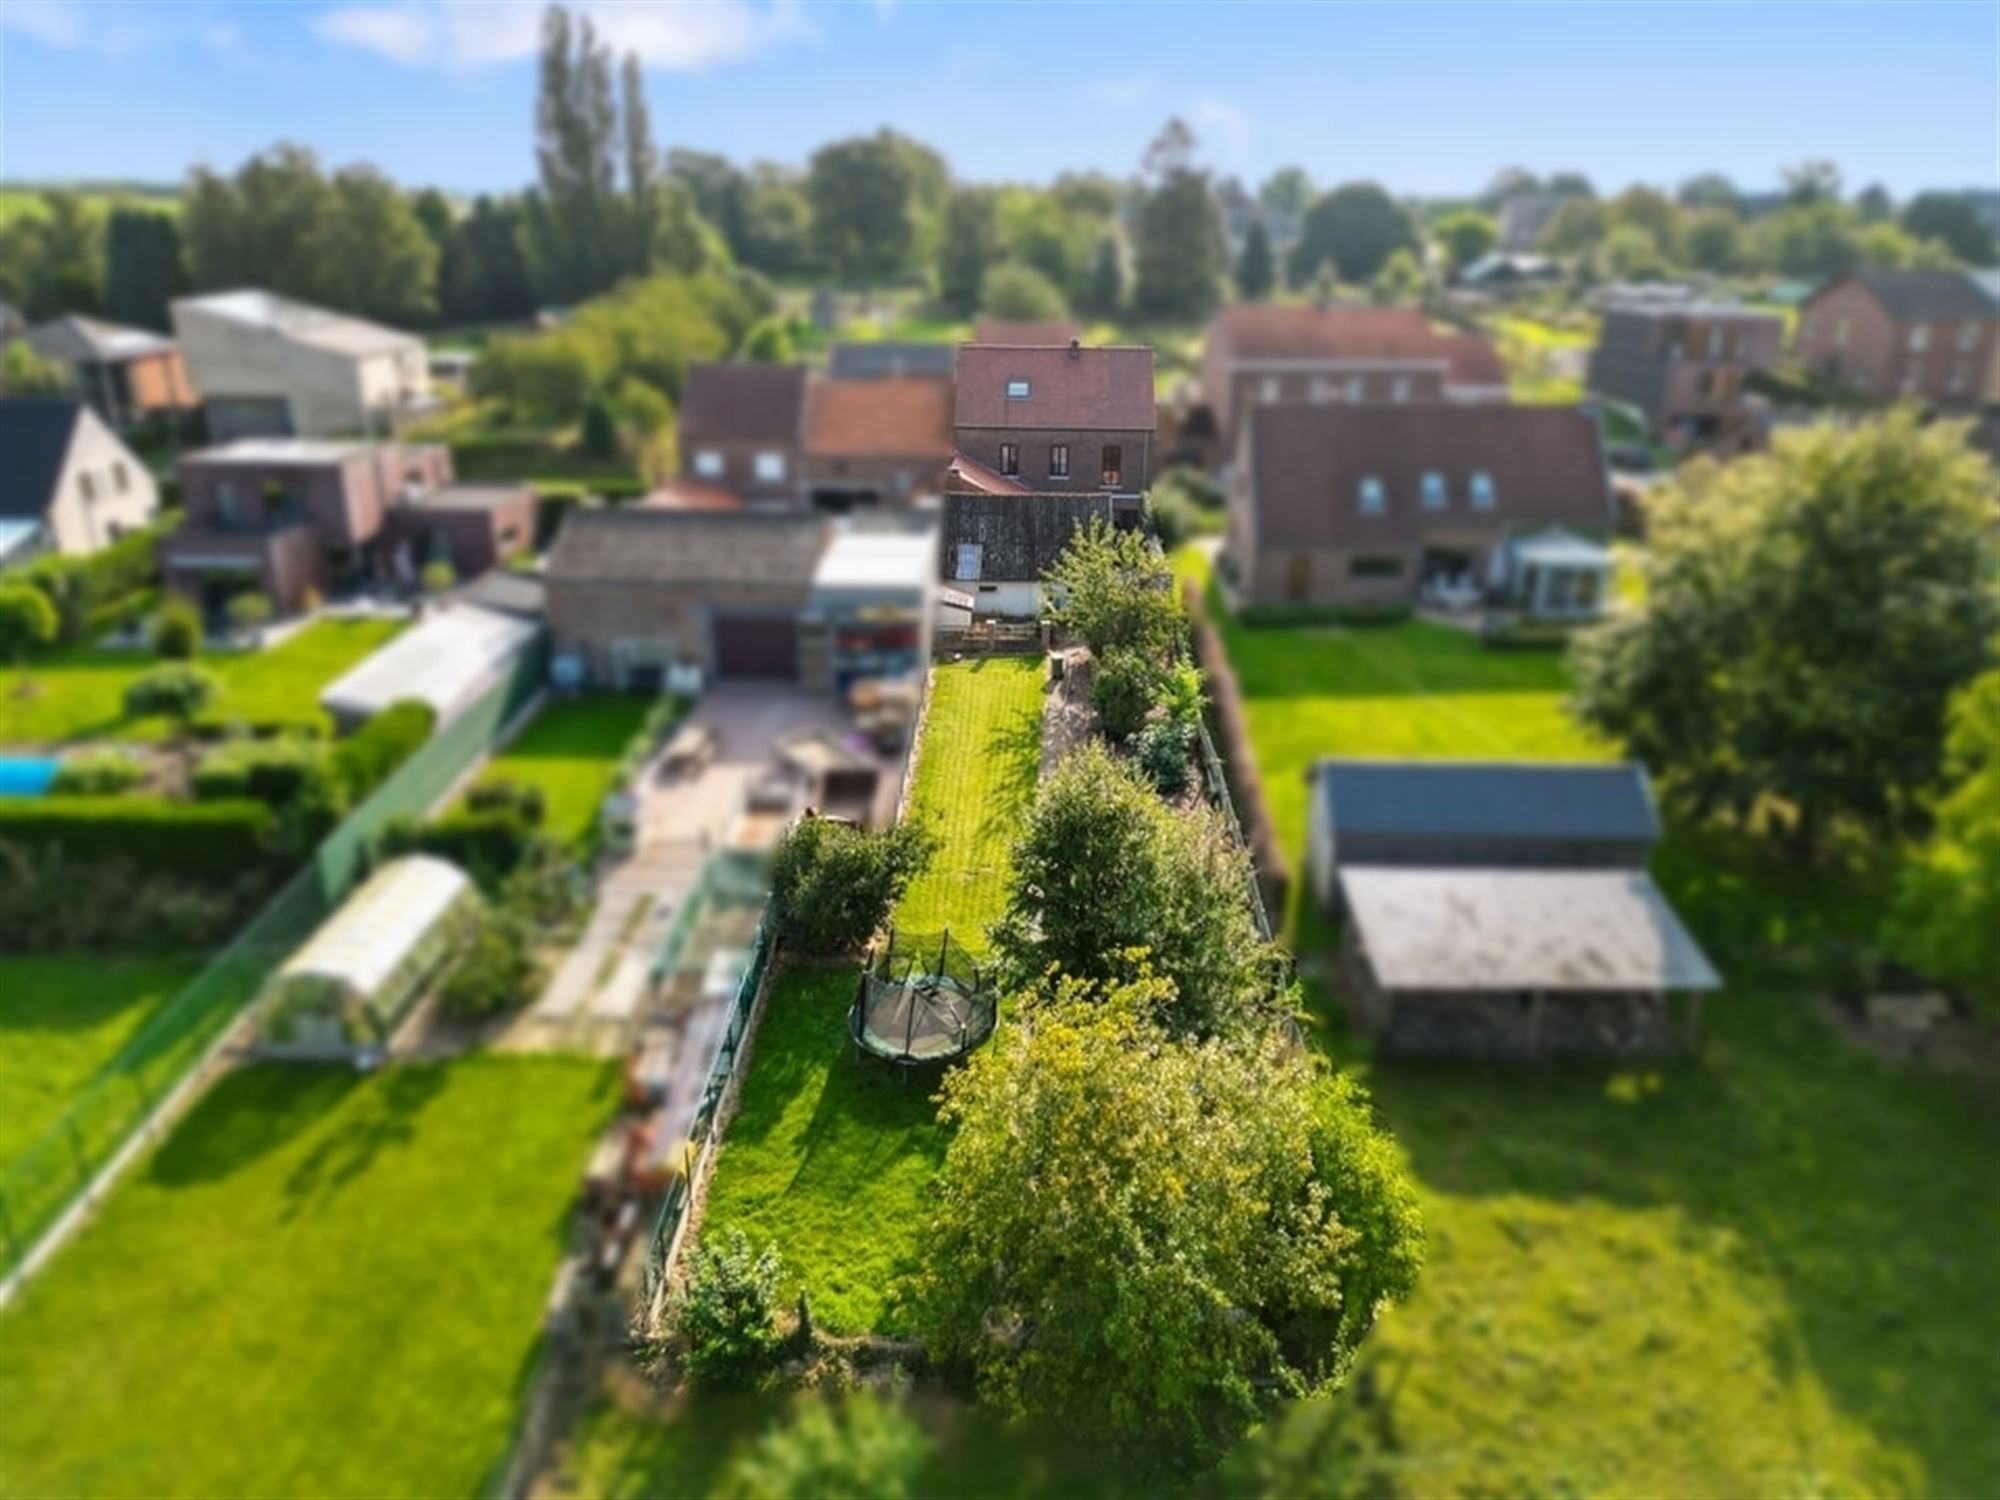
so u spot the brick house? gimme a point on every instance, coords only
(1682, 368)
(876, 443)
(474, 527)
(1061, 419)
(286, 516)
(1929, 334)
(1362, 505)
(743, 428)
(1259, 354)
(127, 375)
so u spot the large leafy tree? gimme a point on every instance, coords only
(968, 247)
(856, 1447)
(1116, 591)
(1950, 217)
(1579, 225)
(374, 255)
(1179, 252)
(1466, 235)
(1103, 868)
(1256, 266)
(484, 276)
(1813, 239)
(574, 212)
(1152, 1240)
(1942, 921)
(864, 206)
(1355, 228)
(1808, 615)
(1018, 292)
(144, 268)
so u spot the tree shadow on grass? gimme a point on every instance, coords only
(1014, 751)
(1863, 1192)
(401, 1094)
(249, 1113)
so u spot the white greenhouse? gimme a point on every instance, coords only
(342, 993)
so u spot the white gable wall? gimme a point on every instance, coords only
(103, 492)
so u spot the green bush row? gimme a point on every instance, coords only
(198, 840)
(369, 756)
(488, 844)
(82, 587)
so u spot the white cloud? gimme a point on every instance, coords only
(681, 38)
(115, 30)
(49, 22)
(1220, 114)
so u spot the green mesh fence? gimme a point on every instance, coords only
(40, 1183)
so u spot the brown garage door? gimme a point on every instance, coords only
(756, 646)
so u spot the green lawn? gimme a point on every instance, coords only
(571, 751)
(1414, 689)
(828, 1156)
(62, 1019)
(975, 777)
(320, 1284)
(1766, 1271)
(77, 693)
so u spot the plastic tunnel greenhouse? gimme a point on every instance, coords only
(343, 991)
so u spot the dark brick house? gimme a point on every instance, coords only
(743, 428)
(1056, 420)
(1682, 368)
(995, 548)
(1261, 354)
(289, 516)
(1933, 335)
(1361, 505)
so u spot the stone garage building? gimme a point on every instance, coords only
(1502, 910)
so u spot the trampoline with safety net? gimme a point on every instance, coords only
(922, 1000)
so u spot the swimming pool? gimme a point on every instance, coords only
(27, 775)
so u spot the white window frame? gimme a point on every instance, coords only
(1436, 495)
(1322, 389)
(1019, 389)
(1268, 389)
(1480, 489)
(770, 467)
(708, 464)
(1371, 499)
(965, 567)
(1357, 388)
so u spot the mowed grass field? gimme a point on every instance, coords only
(975, 778)
(62, 1018)
(829, 1155)
(319, 1284)
(1768, 1270)
(571, 752)
(77, 693)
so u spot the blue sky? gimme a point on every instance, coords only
(1427, 98)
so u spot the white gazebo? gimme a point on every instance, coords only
(1558, 575)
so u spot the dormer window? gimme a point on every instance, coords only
(1371, 496)
(1017, 390)
(1434, 492)
(708, 464)
(1482, 491)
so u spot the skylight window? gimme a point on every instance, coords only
(1017, 390)
(1371, 496)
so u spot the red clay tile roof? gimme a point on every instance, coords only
(982, 478)
(691, 494)
(1546, 464)
(745, 403)
(1259, 330)
(1029, 335)
(893, 416)
(1090, 389)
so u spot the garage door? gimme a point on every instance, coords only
(756, 646)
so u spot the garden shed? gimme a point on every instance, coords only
(342, 993)
(1514, 962)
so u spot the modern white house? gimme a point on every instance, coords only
(67, 483)
(266, 366)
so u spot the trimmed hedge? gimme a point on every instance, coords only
(369, 756)
(198, 840)
(488, 845)
(82, 588)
